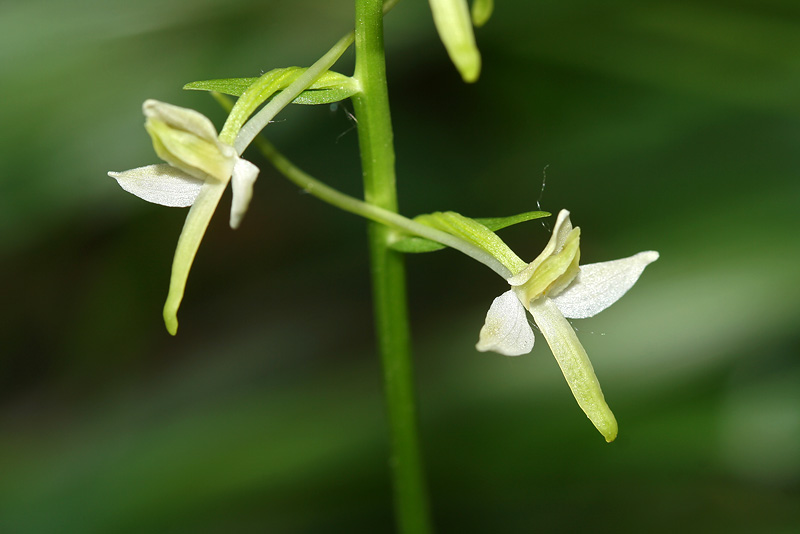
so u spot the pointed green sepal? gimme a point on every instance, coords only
(412, 244)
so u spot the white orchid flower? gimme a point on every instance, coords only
(553, 288)
(198, 169)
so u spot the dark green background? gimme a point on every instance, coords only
(665, 125)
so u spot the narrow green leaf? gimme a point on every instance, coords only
(328, 95)
(226, 86)
(475, 233)
(415, 245)
(331, 87)
(498, 223)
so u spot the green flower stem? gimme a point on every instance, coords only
(358, 207)
(370, 211)
(388, 271)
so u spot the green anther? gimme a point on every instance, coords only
(555, 271)
(188, 152)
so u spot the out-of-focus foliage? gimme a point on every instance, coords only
(663, 125)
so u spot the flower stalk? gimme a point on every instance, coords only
(388, 270)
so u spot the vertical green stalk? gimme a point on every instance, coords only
(388, 271)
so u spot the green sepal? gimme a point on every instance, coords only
(329, 88)
(412, 244)
(481, 12)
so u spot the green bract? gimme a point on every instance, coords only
(411, 244)
(252, 92)
(474, 233)
(329, 88)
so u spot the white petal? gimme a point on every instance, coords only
(506, 329)
(575, 365)
(561, 230)
(599, 285)
(244, 176)
(160, 184)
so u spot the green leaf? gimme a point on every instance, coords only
(330, 87)
(474, 233)
(413, 245)
(498, 223)
(226, 86)
(481, 12)
(328, 95)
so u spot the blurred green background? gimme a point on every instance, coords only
(665, 125)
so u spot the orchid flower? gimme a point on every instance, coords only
(198, 169)
(553, 288)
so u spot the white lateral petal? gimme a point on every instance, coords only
(160, 184)
(599, 285)
(506, 329)
(244, 176)
(561, 230)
